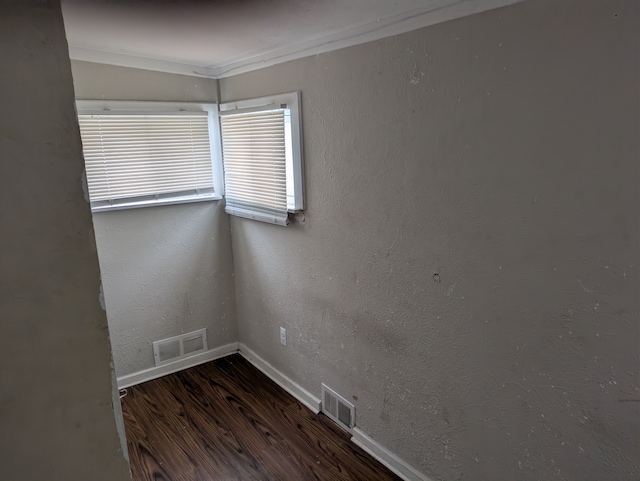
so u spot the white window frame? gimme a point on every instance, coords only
(100, 107)
(294, 157)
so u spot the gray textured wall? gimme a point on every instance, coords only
(56, 415)
(499, 151)
(168, 269)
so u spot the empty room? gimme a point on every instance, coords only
(330, 240)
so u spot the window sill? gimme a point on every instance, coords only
(156, 202)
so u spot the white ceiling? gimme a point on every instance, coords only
(218, 38)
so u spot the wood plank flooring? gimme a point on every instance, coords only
(226, 421)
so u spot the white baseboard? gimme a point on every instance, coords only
(293, 388)
(185, 363)
(379, 452)
(386, 457)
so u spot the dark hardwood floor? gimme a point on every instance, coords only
(225, 421)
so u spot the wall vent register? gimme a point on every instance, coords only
(179, 347)
(338, 408)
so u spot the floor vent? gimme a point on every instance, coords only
(178, 347)
(338, 408)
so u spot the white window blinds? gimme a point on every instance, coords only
(255, 151)
(136, 157)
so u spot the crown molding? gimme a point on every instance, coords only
(437, 12)
(122, 59)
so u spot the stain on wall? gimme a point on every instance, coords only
(500, 152)
(166, 270)
(56, 415)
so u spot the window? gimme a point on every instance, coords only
(139, 154)
(149, 153)
(262, 155)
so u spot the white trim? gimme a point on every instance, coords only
(293, 388)
(431, 14)
(120, 107)
(158, 202)
(215, 141)
(372, 447)
(294, 161)
(126, 59)
(185, 363)
(386, 457)
(257, 104)
(377, 451)
(138, 107)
